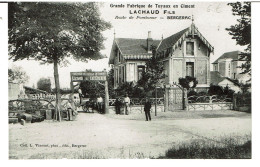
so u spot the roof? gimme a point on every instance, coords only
(132, 48)
(234, 55)
(171, 40)
(216, 78)
(33, 89)
(129, 46)
(176, 39)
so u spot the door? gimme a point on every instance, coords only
(175, 99)
(190, 69)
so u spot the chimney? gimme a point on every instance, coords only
(149, 42)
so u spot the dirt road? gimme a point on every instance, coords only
(117, 136)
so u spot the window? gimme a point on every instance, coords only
(123, 74)
(189, 48)
(216, 68)
(120, 74)
(229, 70)
(131, 72)
(234, 75)
(190, 69)
(119, 55)
(140, 71)
(117, 76)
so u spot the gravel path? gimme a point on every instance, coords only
(122, 136)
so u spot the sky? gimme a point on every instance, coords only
(211, 18)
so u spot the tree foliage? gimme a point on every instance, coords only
(188, 82)
(50, 32)
(17, 75)
(130, 88)
(154, 73)
(44, 84)
(92, 89)
(241, 32)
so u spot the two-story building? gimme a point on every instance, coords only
(185, 53)
(228, 65)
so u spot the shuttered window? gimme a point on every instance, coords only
(189, 48)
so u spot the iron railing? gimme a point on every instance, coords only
(137, 101)
(209, 99)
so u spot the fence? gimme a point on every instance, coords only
(209, 103)
(137, 101)
(35, 104)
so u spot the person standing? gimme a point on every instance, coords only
(80, 95)
(127, 104)
(99, 104)
(147, 108)
(117, 106)
(70, 109)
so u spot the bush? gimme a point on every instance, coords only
(131, 89)
(228, 92)
(215, 90)
(192, 93)
(243, 99)
(202, 94)
(186, 82)
(210, 150)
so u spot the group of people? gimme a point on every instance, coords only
(147, 107)
(118, 105)
(126, 104)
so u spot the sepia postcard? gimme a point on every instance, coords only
(129, 80)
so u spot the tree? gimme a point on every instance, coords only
(44, 84)
(17, 75)
(110, 79)
(51, 32)
(188, 82)
(92, 89)
(241, 32)
(131, 89)
(154, 73)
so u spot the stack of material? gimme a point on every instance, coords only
(37, 118)
(27, 117)
(13, 120)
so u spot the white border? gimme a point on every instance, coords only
(255, 113)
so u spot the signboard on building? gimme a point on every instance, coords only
(88, 76)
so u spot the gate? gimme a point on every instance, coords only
(175, 99)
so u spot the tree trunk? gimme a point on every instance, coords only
(58, 95)
(106, 98)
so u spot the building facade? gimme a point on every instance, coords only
(185, 53)
(228, 65)
(128, 57)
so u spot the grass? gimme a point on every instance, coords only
(227, 149)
